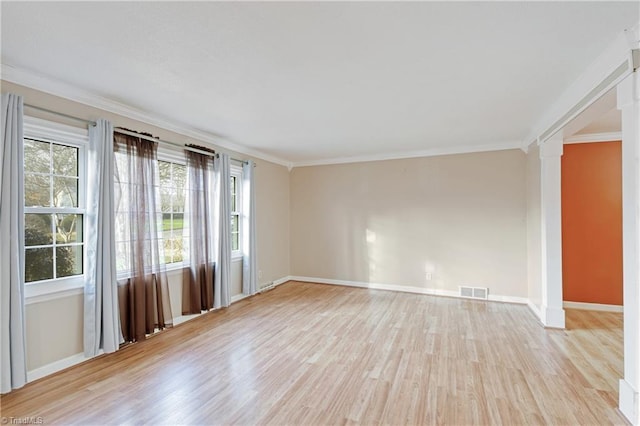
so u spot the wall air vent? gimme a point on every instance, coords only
(474, 292)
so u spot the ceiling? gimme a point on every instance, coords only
(312, 82)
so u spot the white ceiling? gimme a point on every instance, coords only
(309, 82)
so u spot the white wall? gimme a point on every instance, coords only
(460, 217)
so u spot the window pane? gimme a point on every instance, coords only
(165, 173)
(178, 221)
(37, 157)
(234, 223)
(38, 264)
(68, 228)
(65, 160)
(122, 257)
(166, 223)
(178, 202)
(165, 199)
(65, 192)
(37, 190)
(167, 250)
(235, 241)
(179, 176)
(68, 261)
(37, 229)
(178, 245)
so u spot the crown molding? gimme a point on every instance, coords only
(64, 90)
(594, 137)
(468, 149)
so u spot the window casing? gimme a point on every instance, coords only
(236, 211)
(55, 204)
(173, 181)
(172, 235)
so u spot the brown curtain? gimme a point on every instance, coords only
(144, 295)
(198, 278)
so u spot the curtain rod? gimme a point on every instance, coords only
(70, 117)
(120, 130)
(186, 148)
(152, 139)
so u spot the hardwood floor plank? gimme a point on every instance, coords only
(316, 354)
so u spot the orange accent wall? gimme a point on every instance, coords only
(592, 223)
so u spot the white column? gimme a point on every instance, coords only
(629, 104)
(552, 313)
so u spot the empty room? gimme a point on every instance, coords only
(314, 213)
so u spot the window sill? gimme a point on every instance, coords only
(236, 257)
(54, 289)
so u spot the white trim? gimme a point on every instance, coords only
(594, 137)
(59, 88)
(236, 171)
(238, 297)
(468, 149)
(551, 229)
(536, 311)
(171, 154)
(628, 102)
(56, 366)
(184, 318)
(55, 87)
(553, 317)
(585, 90)
(51, 131)
(43, 291)
(628, 402)
(282, 280)
(406, 289)
(593, 306)
(273, 284)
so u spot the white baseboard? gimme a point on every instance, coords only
(274, 283)
(238, 297)
(282, 280)
(405, 289)
(61, 364)
(56, 366)
(628, 402)
(184, 318)
(593, 306)
(536, 311)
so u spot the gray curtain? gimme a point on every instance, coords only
(144, 295)
(101, 316)
(198, 278)
(222, 232)
(12, 334)
(249, 262)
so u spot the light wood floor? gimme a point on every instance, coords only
(309, 354)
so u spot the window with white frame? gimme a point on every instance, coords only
(54, 200)
(236, 211)
(173, 180)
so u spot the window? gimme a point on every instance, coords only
(173, 180)
(236, 211)
(54, 183)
